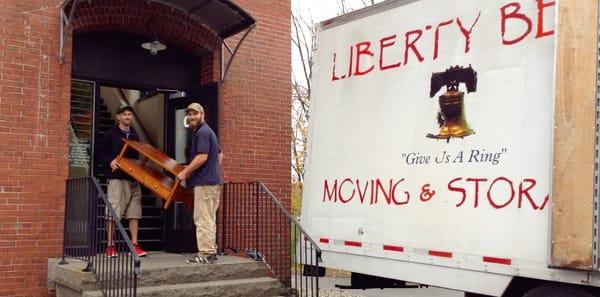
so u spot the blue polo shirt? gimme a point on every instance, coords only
(205, 142)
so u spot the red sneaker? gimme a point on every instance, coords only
(138, 250)
(111, 251)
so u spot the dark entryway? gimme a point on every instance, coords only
(111, 69)
(118, 57)
(178, 221)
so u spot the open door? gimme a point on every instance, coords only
(179, 229)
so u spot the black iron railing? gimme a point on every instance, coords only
(253, 221)
(88, 215)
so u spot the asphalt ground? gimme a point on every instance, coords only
(328, 289)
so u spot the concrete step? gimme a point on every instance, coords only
(263, 286)
(70, 276)
(167, 274)
(165, 268)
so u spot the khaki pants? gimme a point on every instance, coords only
(206, 203)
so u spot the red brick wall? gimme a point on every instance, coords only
(34, 110)
(34, 114)
(133, 16)
(256, 118)
(211, 64)
(255, 108)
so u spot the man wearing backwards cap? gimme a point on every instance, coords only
(124, 193)
(204, 174)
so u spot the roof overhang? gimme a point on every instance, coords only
(222, 17)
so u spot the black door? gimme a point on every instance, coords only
(180, 232)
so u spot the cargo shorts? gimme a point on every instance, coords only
(125, 197)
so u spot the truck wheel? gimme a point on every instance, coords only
(557, 291)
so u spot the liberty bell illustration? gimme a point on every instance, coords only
(451, 117)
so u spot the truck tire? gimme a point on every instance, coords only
(557, 291)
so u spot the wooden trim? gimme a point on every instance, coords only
(574, 134)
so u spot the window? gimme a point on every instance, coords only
(81, 128)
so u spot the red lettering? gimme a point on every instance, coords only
(512, 193)
(378, 187)
(467, 33)
(545, 202)
(406, 193)
(351, 61)
(457, 189)
(383, 43)
(410, 45)
(373, 199)
(476, 180)
(362, 194)
(330, 194)
(541, 6)
(394, 194)
(426, 193)
(514, 14)
(340, 194)
(362, 49)
(436, 44)
(333, 76)
(525, 192)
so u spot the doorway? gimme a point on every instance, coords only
(180, 235)
(110, 69)
(148, 122)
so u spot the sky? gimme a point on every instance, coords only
(322, 9)
(318, 10)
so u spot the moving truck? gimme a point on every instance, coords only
(455, 144)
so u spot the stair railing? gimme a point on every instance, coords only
(88, 215)
(253, 222)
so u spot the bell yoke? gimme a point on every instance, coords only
(451, 118)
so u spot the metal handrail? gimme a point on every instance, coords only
(87, 213)
(290, 217)
(119, 226)
(253, 221)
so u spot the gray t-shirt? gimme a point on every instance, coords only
(205, 142)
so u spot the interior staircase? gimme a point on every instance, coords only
(150, 235)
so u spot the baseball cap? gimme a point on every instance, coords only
(194, 106)
(123, 108)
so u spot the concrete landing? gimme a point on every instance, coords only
(167, 274)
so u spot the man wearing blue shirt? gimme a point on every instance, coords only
(204, 175)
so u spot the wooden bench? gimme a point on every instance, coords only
(156, 180)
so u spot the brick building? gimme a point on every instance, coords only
(44, 104)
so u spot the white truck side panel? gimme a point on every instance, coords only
(459, 279)
(370, 164)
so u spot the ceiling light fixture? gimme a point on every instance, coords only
(154, 46)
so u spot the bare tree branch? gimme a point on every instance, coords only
(303, 33)
(367, 2)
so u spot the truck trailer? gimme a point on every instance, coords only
(455, 144)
